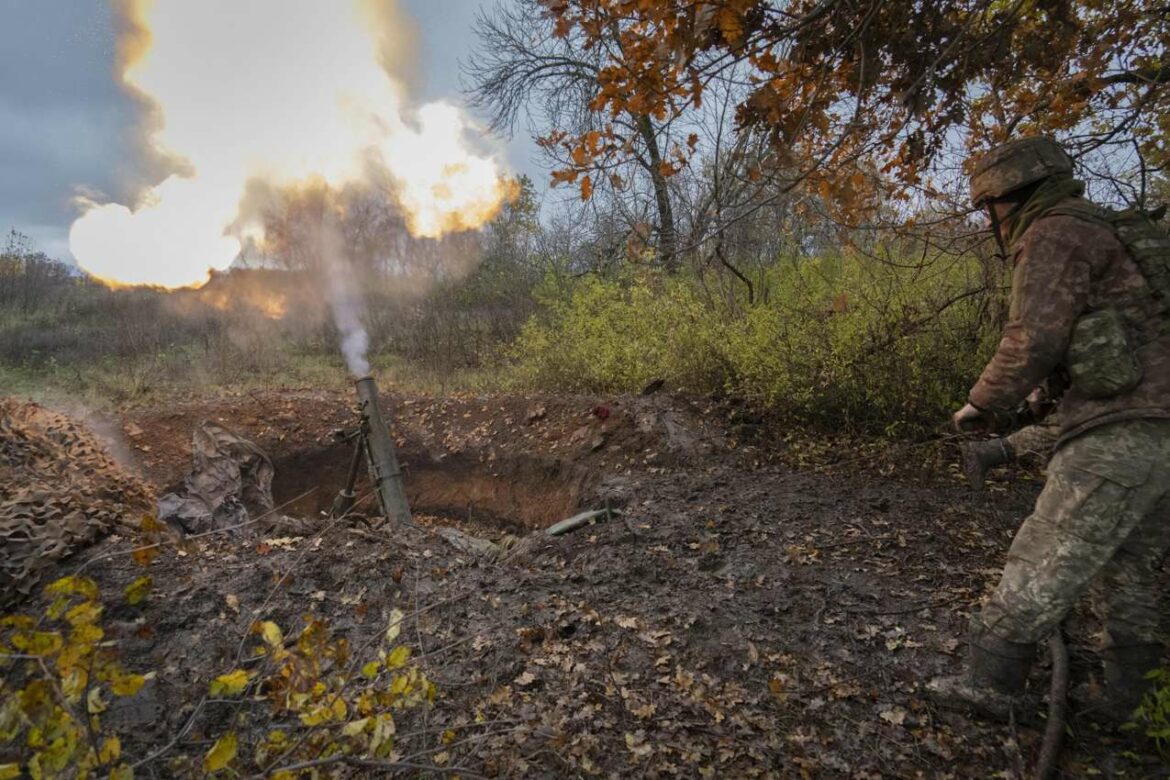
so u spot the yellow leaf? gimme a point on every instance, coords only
(400, 685)
(84, 614)
(222, 753)
(382, 740)
(111, 750)
(398, 657)
(230, 684)
(37, 642)
(339, 709)
(395, 626)
(127, 684)
(82, 586)
(94, 702)
(448, 737)
(17, 621)
(370, 670)
(271, 633)
(9, 771)
(353, 728)
(85, 634)
(137, 591)
(73, 680)
(123, 772)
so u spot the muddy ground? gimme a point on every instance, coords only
(764, 606)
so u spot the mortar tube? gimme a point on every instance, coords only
(383, 461)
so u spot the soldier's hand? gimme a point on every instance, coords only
(970, 418)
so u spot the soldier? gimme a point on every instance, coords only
(1083, 306)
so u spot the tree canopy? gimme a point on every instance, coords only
(864, 100)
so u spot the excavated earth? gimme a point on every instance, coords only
(764, 605)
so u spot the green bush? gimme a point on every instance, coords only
(620, 333)
(840, 342)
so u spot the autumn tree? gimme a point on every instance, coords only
(861, 102)
(528, 64)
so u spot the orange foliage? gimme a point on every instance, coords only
(853, 97)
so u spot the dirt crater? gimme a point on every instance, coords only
(516, 495)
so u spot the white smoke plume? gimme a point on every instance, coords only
(344, 299)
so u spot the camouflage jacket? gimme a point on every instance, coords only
(1064, 267)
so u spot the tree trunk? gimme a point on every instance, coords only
(667, 243)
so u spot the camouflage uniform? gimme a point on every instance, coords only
(1064, 267)
(1104, 513)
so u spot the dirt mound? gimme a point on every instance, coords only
(59, 490)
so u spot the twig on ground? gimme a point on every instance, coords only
(174, 740)
(1057, 708)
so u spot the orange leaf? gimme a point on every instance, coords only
(144, 555)
(586, 188)
(566, 177)
(730, 24)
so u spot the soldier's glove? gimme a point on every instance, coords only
(972, 419)
(969, 419)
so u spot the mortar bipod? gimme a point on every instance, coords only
(345, 499)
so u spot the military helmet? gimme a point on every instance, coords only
(1016, 164)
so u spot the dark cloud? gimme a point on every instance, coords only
(63, 120)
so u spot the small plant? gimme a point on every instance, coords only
(1153, 715)
(343, 709)
(59, 675)
(332, 706)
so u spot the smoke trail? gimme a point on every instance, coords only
(344, 299)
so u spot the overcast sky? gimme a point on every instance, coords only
(64, 123)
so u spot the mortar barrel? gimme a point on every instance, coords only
(383, 461)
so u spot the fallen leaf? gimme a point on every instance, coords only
(636, 743)
(137, 591)
(94, 702)
(230, 684)
(222, 753)
(394, 627)
(284, 542)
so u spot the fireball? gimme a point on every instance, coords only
(279, 92)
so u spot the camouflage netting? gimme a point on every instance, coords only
(59, 491)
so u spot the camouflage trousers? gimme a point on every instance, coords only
(1101, 522)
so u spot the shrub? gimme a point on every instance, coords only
(620, 333)
(840, 342)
